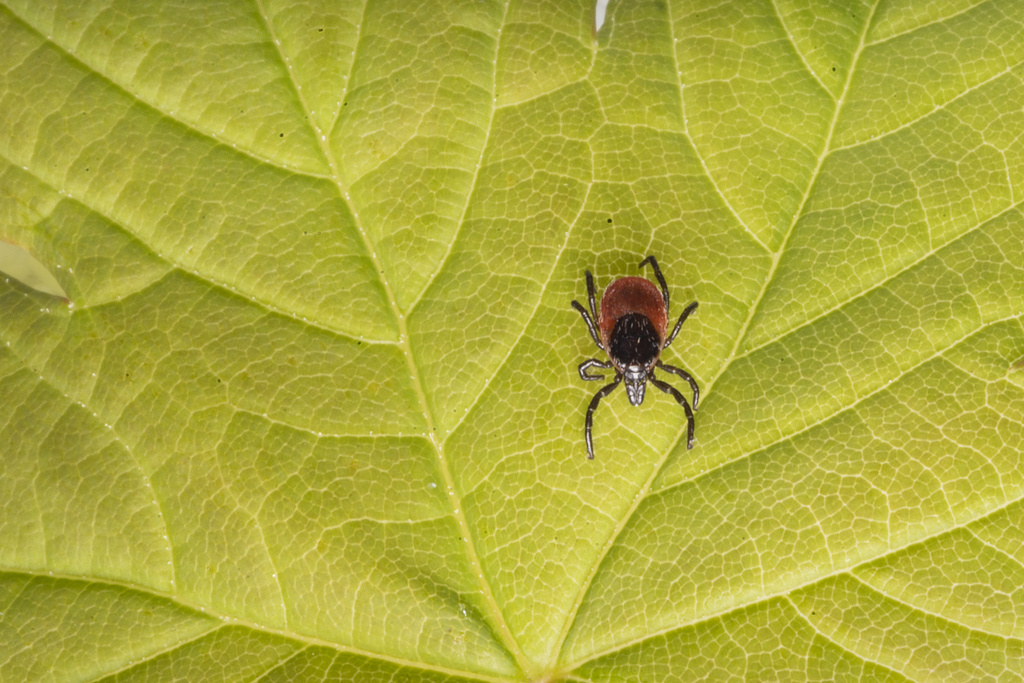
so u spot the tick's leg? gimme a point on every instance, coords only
(588, 430)
(593, 363)
(669, 389)
(686, 314)
(590, 318)
(685, 375)
(590, 323)
(661, 279)
(591, 296)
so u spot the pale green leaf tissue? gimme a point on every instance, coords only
(310, 408)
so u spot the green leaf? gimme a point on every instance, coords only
(311, 411)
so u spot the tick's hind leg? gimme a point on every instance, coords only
(589, 428)
(669, 389)
(590, 318)
(591, 297)
(661, 278)
(679, 372)
(589, 322)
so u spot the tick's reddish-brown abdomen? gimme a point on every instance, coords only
(631, 295)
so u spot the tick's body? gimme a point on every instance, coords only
(631, 328)
(631, 295)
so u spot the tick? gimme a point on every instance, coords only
(630, 328)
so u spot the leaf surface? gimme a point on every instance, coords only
(311, 411)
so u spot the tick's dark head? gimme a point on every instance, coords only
(634, 347)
